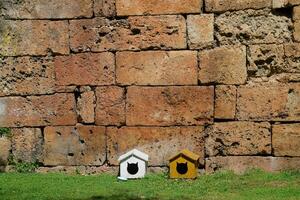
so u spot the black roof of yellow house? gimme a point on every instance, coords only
(187, 155)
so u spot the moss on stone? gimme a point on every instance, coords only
(8, 38)
(5, 132)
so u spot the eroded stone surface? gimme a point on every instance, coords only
(157, 68)
(225, 101)
(79, 145)
(86, 104)
(134, 33)
(200, 30)
(292, 53)
(240, 164)
(145, 7)
(45, 9)
(297, 31)
(288, 77)
(238, 138)
(65, 89)
(269, 102)
(265, 60)
(226, 65)
(253, 27)
(26, 75)
(27, 144)
(286, 139)
(160, 143)
(57, 109)
(110, 105)
(229, 5)
(296, 13)
(105, 8)
(85, 69)
(164, 106)
(292, 50)
(82, 170)
(33, 37)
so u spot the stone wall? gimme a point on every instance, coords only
(82, 82)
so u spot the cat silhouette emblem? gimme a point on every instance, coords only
(182, 168)
(132, 168)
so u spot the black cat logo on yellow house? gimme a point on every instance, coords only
(184, 165)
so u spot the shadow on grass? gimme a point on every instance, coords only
(118, 197)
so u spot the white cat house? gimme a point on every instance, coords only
(133, 164)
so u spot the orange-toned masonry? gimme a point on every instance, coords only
(82, 82)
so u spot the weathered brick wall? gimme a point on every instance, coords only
(84, 81)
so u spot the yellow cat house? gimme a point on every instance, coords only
(184, 165)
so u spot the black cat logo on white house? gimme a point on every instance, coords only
(133, 164)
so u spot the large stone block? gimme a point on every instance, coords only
(159, 142)
(200, 30)
(225, 101)
(110, 105)
(269, 102)
(240, 164)
(57, 109)
(226, 65)
(166, 106)
(286, 139)
(146, 7)
(157, 68)
(238, 138)
(134, 33)
(26, 76)
(253, 27)
(33, 37)
(79, 145)
(27, 144)
(228, 5)
(85, 69)
(45, 9)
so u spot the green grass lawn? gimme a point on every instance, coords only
(226, 185)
